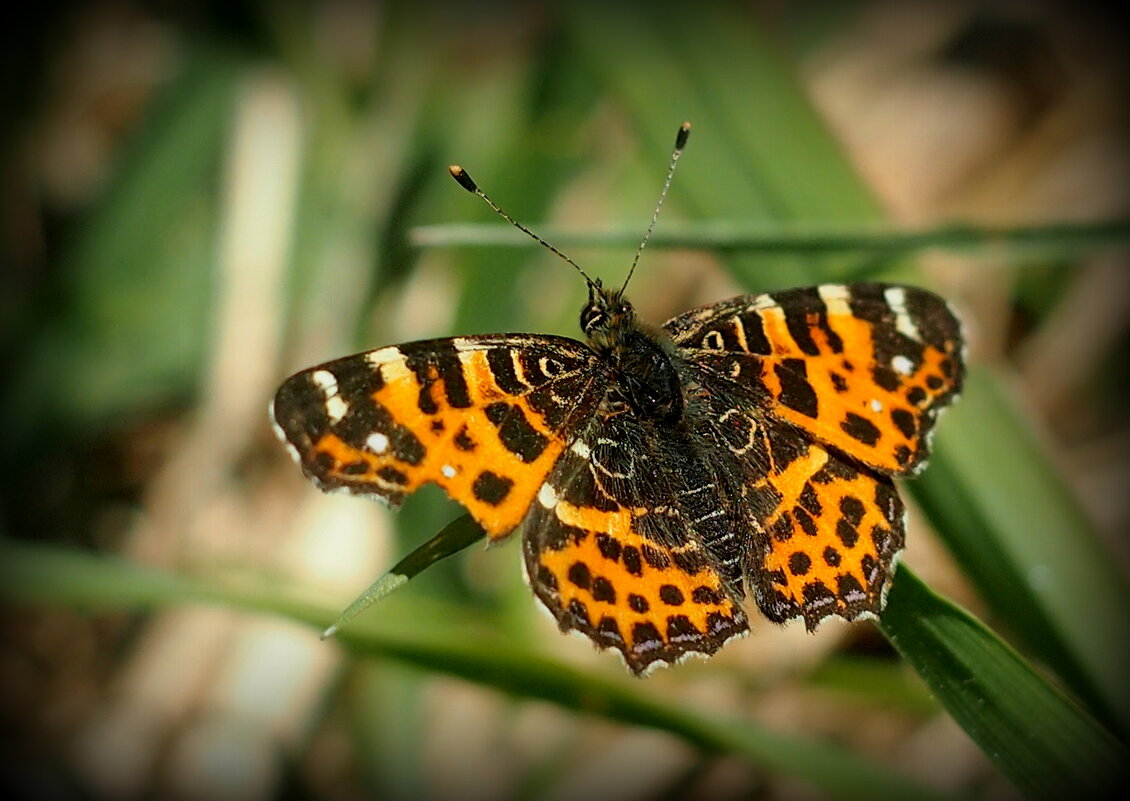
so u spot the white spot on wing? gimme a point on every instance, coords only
(835, 297)
(384, 356)
(902, 365)
(547, 497)
(336, 407)
(325, 381)
(876, 405)
(762, 302)
(904, 323)
(581, 449)
(448, 471)
(377, 443)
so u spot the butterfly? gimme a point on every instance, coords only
(659, 474)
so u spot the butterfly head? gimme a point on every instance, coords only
(606, 310)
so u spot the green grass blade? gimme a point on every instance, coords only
(1062, 238)
(1022, 538)
(453, 538)
(1044, 742)
(435, 636)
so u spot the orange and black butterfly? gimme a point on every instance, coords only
(658, 475)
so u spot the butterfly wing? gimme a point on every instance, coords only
(823, 530)
(630, 542)
(863, 368)
(484, 417)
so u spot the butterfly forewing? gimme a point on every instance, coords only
(483, 417)
(863, 368)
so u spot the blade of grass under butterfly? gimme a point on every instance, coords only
(454, 537)
(435, 636)
(1020, 535)
(1042, 740)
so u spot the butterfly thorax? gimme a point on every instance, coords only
(644, 375)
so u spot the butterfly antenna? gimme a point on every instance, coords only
(680, 143)
(465, 181)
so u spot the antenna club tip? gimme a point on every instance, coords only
(681, 137)
(331, 631)
(463, 179)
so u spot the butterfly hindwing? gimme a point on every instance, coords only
(634, 554)
(863, 368)
(832, 528)
(484, 417)
(821, 531)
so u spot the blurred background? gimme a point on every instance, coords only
(199, 200)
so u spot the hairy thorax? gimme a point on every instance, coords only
(644, 373)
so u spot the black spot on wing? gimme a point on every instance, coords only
(806, 313)
(798, 305)
(796, 392)
(515, 431)
(609, 546)
(805, 521)
(852, 509)
(847, 533)
(638, 603)
(602, 590)
(392, 475)
(463, 440)
(904, 421)
(608, 633)
(706, 595)
(501, 361)
(432, 361)
(809, 500)
(885, 377)
(645, 638)
(579, 575)
(681, 630)
(756, 341)
(632, 561)
(491, 488)
(860, 428)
